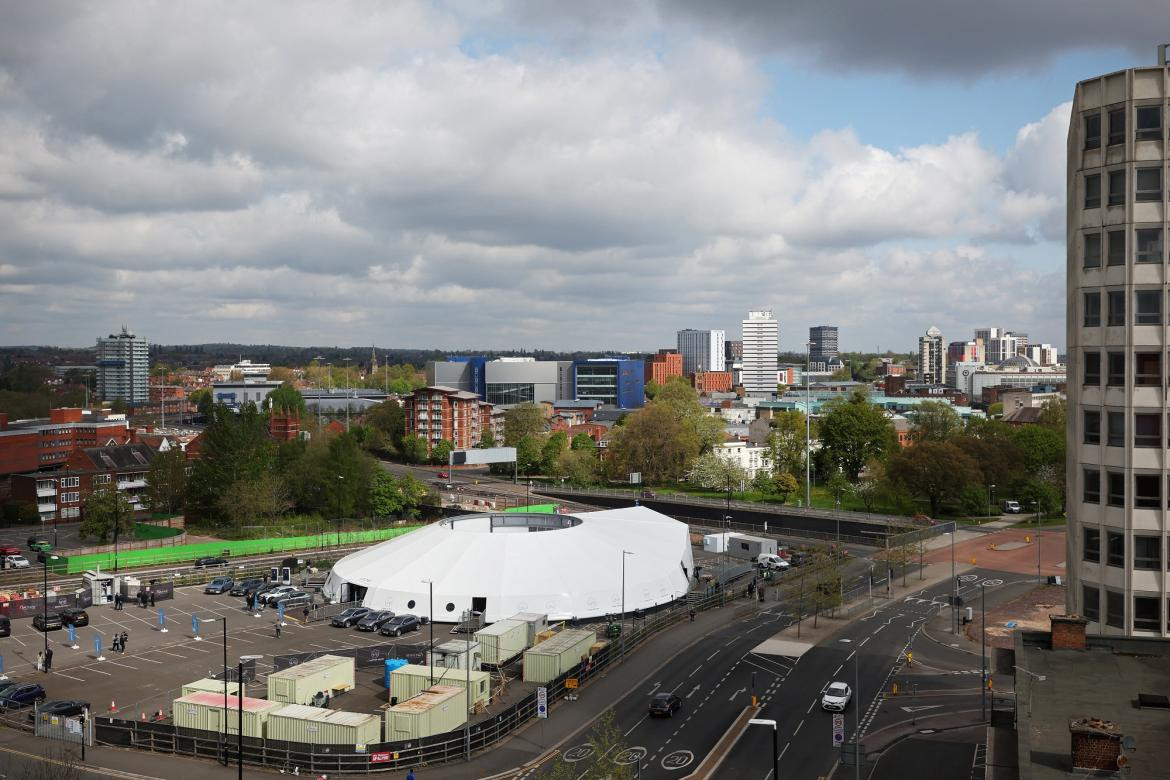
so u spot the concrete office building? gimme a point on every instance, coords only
(123, 368)
(932, 367)
(702, 350)
(1117, 350)
(823, 339)
(504, 381)
(1000, 344)
(761, 341)
(613, 381)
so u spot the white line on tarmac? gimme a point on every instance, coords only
(127, 666)
(71, 677)
(798, 725)
(99, 671)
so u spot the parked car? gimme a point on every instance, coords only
(46, 623)
(836, 697)
(21, 695)
(208, 562)
(62, 708)
(443, 475)
(261, 589)
(1011, 507)
(74, 616)
(10, 550)
(220, 585)
(665, 705)
(41, 546)
(771, 561)
(375, 620)
(275, 593)
(400, 624)
(296, 598)
(5, 626)
(35, 542)
(799, 558)
(349, 617)
(16, 562)
(242, 587)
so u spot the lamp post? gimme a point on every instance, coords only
(1038, 577)
(44, 558)
(318, 361)
(347, 360)
(431, 620)
(240, 712)
(527, 492)
(982, 651)
(340, 479)
(954, 584)
(990, 488)
(623, 624)
(775, 742)
(807, 429)
(117, 519)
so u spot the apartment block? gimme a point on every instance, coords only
(438, 413)
(60, 495)
(666, 364)
(35, 445)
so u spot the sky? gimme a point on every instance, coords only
(541, 173)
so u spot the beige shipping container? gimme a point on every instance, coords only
(537, 622)
(204, 710)
(298, 684)
(409, 681)
(502, 641)
(555, 656)
(318, 726)
(212, 685)
(436, 710)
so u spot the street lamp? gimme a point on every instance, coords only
(807, 428)
(982, 651)
(623, 623)
(240, 712)
(44, 558)
(1038, 577)
(340, 479)
(347, 360)
(726, 551)
(431, 620)
(990, 488)
(775, 742)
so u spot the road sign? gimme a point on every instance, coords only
(542, 702)
(838, 729)
(571, 682)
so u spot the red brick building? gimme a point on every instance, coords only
(59, 495)
(663, 366)
(440, 412)
(36, 445)
(712, 382)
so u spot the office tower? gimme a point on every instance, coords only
(1000, 344)
(824, 343)
(761, 340)
(932, 365)
(123, 366)
(702, 350)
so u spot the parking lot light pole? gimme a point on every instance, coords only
(340, 479)
(44, 558)
(990, 488)
(983, 652)
(775, 742)
(1038, 577)
(225, 692)
(431, 620)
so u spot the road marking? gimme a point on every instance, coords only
(814, 703)
(692, 693)
(712, 655)
(700, 666)
(862, 642)
(657, 685)
(741, 690)
(850, 656)
(838, 670)
(636, 725)
(921, 708)
(785, 750)
(798, 725)
(71, 677)
(99, 671)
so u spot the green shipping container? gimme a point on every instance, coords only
(212, 685)
(553, 657)
(502, 641)
(330, 674)
(318, 726)
(436, 710)
(204, 710)
(409, 681)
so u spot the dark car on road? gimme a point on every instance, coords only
(50, 622)
(219, 585)
(242, 587)
(37, 543)
(261, 589)
(665, 705)
(349, 617)
(374, 620)
(74, 616)
(5, 626)
(21, 695)
(399, 625)
(209, 562)
(63, 708)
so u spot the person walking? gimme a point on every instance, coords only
(278, 629)
(410, 774)
(692, 614)
(40, 661)
(117, 601)
(152, 597)
(125, 636)
(48, 659)
(114, 643)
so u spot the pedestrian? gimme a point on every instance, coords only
(125, 636)
(142, 599)
(278, 629)
(114, 643)
(306, 613)
(117, 601)
(692, 614)
(40, 661)
(410, 774)
(152, 597)
(48, 659)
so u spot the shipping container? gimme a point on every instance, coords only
(212, 685)
(328, 674)
(749, 548)
(411, 680)
(204, 710)
(436, 710)
(503, 640)
(537, 622)
(553, 657)
(451, 655)
(318, 726)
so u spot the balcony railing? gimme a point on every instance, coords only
(131, 484)
(50, 490)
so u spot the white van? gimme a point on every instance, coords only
(771, 561)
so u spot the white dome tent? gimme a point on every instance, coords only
(501, 564)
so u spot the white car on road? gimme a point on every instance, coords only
(836, 697)
(15, 562)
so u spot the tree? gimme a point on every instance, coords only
(579, 467)
(826, 583)
(869, 485)
(522, 420)
(556, 444)
(166, 482)
(414, 448)
(786, 485)
(236, 446)
(201, 399)
(654, 442)
(583, 441)
(608, 746)
(395, 496)
(104, 508)
(786, 441)
(118, 406)
(487, 440)
(854, 432)
(389, 418)
(682, 402)
(934, 470)
(935, 421)
(712, 472)
(528, 454)
(257, 499)
(440, 453)
(764, 483)
(1054, 415)
(651, 389)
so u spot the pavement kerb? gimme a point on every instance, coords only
(714, 759)
(920, 723)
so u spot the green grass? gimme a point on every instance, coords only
(144, 531)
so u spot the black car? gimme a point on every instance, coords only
(21, 695)
(242, 587)
(5, 626)
(374, 620)
(46, 623)
(349, 617)
(399, 625)
(219, 585)
(206, 563)
(74, 616)
(259, 590)
(665, 704)
(62, 708)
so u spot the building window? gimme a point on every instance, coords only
(1092, 318)
(70, 498)
(1093, 191)
(1149, 245)
(1148, 186)
(1116, 376)
(1147, 307)
(1092, 427)
(1147, 369)
(1092, 250)
(1147, 430)
(1093, 131)
(1147, 552)
(1115, 486)
(1115, 429)
(1117, 188)
(1116, 126)
(1147, 491)
(68, 482)
(1092, 368)
(1145, 613)
(1149, 123)
(1116, 250)
(1115, 548)
(1092, 541)
(1116, 300)
(1114, 609)
(1092, 492)
(1090, 603)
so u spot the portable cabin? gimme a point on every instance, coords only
(212, 685)
(409, 681)
(435, 710)
(204, 710)
(319, 726)
(503, 640)
(328, 674)
(553, 657)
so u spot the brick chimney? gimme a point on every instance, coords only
(1068, 632)
(1096, 744)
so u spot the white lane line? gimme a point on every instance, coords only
(785, 750)
(697, 668)
(838, 670)
(99, 671)
(125, 666)
(712, 655)
(639, 723)
(71, 677)
(814, 703)
(862, 642)
(798, 725)
(148, 660)
(850, 657)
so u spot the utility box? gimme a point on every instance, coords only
(409, 681)
(318, 726)
(328, 674)
(537, 622)
(455, 655)
(204, 710)
(211, 685)
(503, 640)
(436, 710)
(553, 657)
